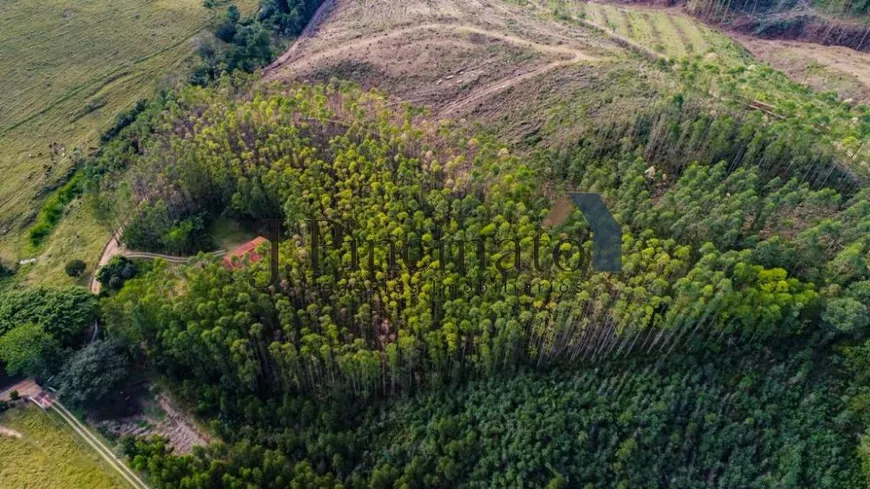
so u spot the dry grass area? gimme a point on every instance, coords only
(834, 68)
(68, 68)
(455, 56)
(39, 451)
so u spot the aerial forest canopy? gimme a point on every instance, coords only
(327, 285)
(698, 423)
(718, 255)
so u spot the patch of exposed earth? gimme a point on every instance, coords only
(451, 56)
(835, 68)
(9, 433)
(27, 388)
(169, 422)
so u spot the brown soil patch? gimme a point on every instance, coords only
(451, 56)
(843, 70)
(181, 431)
(559, 214)
(9, 433)
(27, 388)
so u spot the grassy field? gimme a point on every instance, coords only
(68, 70)
(49, 455)
(667, 32)
(78, 236)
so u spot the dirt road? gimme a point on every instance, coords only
(99, 446)
(27, 388)
(114, 248)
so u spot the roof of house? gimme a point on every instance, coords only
(246, 251)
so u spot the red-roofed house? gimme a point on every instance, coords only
(247, 251)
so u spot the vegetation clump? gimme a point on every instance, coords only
(116, 272)
(75, 268)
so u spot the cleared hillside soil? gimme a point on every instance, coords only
(816, 62)
(162, 419)
(47, 454)
(833, 68)
(451, 56)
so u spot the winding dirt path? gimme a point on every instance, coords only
(308, 60)
(114, 248)
(99, 446)
(290, 61)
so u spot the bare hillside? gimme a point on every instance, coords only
(490, 60)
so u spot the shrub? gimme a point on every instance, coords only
(76, 268)
(116, 282)
(14, 395)
(28, 350)
(116, 272)
(53, 208)
(123, 120)
(6, 271)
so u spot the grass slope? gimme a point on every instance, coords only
(49, 455)
(68, 70)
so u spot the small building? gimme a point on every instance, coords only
(247, 251)
(43, 400)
